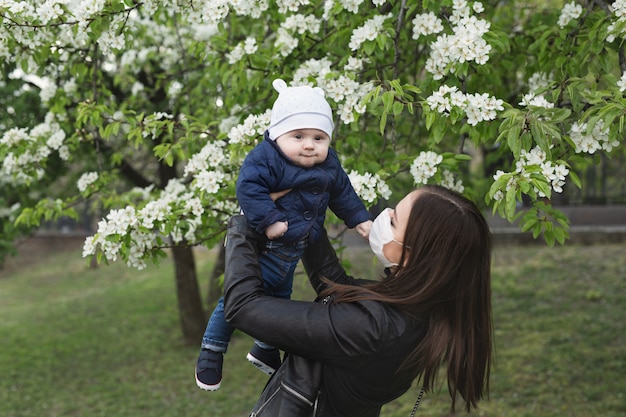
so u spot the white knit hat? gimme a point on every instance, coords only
(299, 108)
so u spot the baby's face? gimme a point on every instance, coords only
(304, 147)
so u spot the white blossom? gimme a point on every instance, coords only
(622, 83)
(285, 6)
(531, 99)
(209, 181)
(597, 139)
(477, 107)
(570, 11)
(465, 44)
(86, 180)
(212, 155)
(426, 24)
(369, 187)
(425, 166)
(246, 47)
(370, 30)
(351, 5)
(251, 128)
(449, 181)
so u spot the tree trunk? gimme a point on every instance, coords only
(191, 314)
(215, 287)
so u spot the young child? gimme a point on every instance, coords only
(294, 166)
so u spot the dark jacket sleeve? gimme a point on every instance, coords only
(344, 201)
(320, 261)
(257, 178)
(325, 332)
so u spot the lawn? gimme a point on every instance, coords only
(81, 342)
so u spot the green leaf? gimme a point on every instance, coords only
(430, 119)
(383, 123)
(397, 108)
(542, 186)
(514, 141)
(388, 99)
(510, 203)
(575, 179)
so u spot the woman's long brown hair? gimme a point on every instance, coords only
(446, 282)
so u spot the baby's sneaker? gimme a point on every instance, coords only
(267, 360)
(209, 370)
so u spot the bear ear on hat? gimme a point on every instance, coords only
(319, 91)
(279, 85)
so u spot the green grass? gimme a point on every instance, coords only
(87, 342)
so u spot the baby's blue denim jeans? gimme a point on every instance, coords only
(278, 263)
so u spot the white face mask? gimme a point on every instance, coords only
(380, 235)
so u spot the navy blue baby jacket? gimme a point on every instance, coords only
(266, 169)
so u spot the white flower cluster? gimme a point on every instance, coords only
(285, 6)
(247, 47)
(477, 107)
(153, 219)
(206, 166)
(9, 213)
(370, 30)
(315, 68)
(450, 182)
(86, 180)
(347, 93)
(465, 44)
(369, 187)
(28, 151)
(212, 155)
(537, 82)
(622, 83)
(50, 10)
(619, 10)
(209, 181)
(114, 38)
(425, 166)
(352, 5)
(533, 100)
(555, 175)
(214, 11)
(597, 140)
(426, 24)
(251, 128)
(354, 64)
(174, 89)
(571, 11)
(299, 24)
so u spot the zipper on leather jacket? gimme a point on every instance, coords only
(260, 410)
(290, 391)
(296, 394)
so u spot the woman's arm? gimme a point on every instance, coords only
(319, 331)
(320, 261)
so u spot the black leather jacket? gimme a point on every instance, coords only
(360, 345)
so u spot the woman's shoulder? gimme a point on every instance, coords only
(378, 320)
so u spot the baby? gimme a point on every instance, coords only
(284, 187)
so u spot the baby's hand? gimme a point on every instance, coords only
(364, 229)
(276, 230)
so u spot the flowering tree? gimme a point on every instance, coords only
(152, 105)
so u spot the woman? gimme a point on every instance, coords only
(368, 341)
